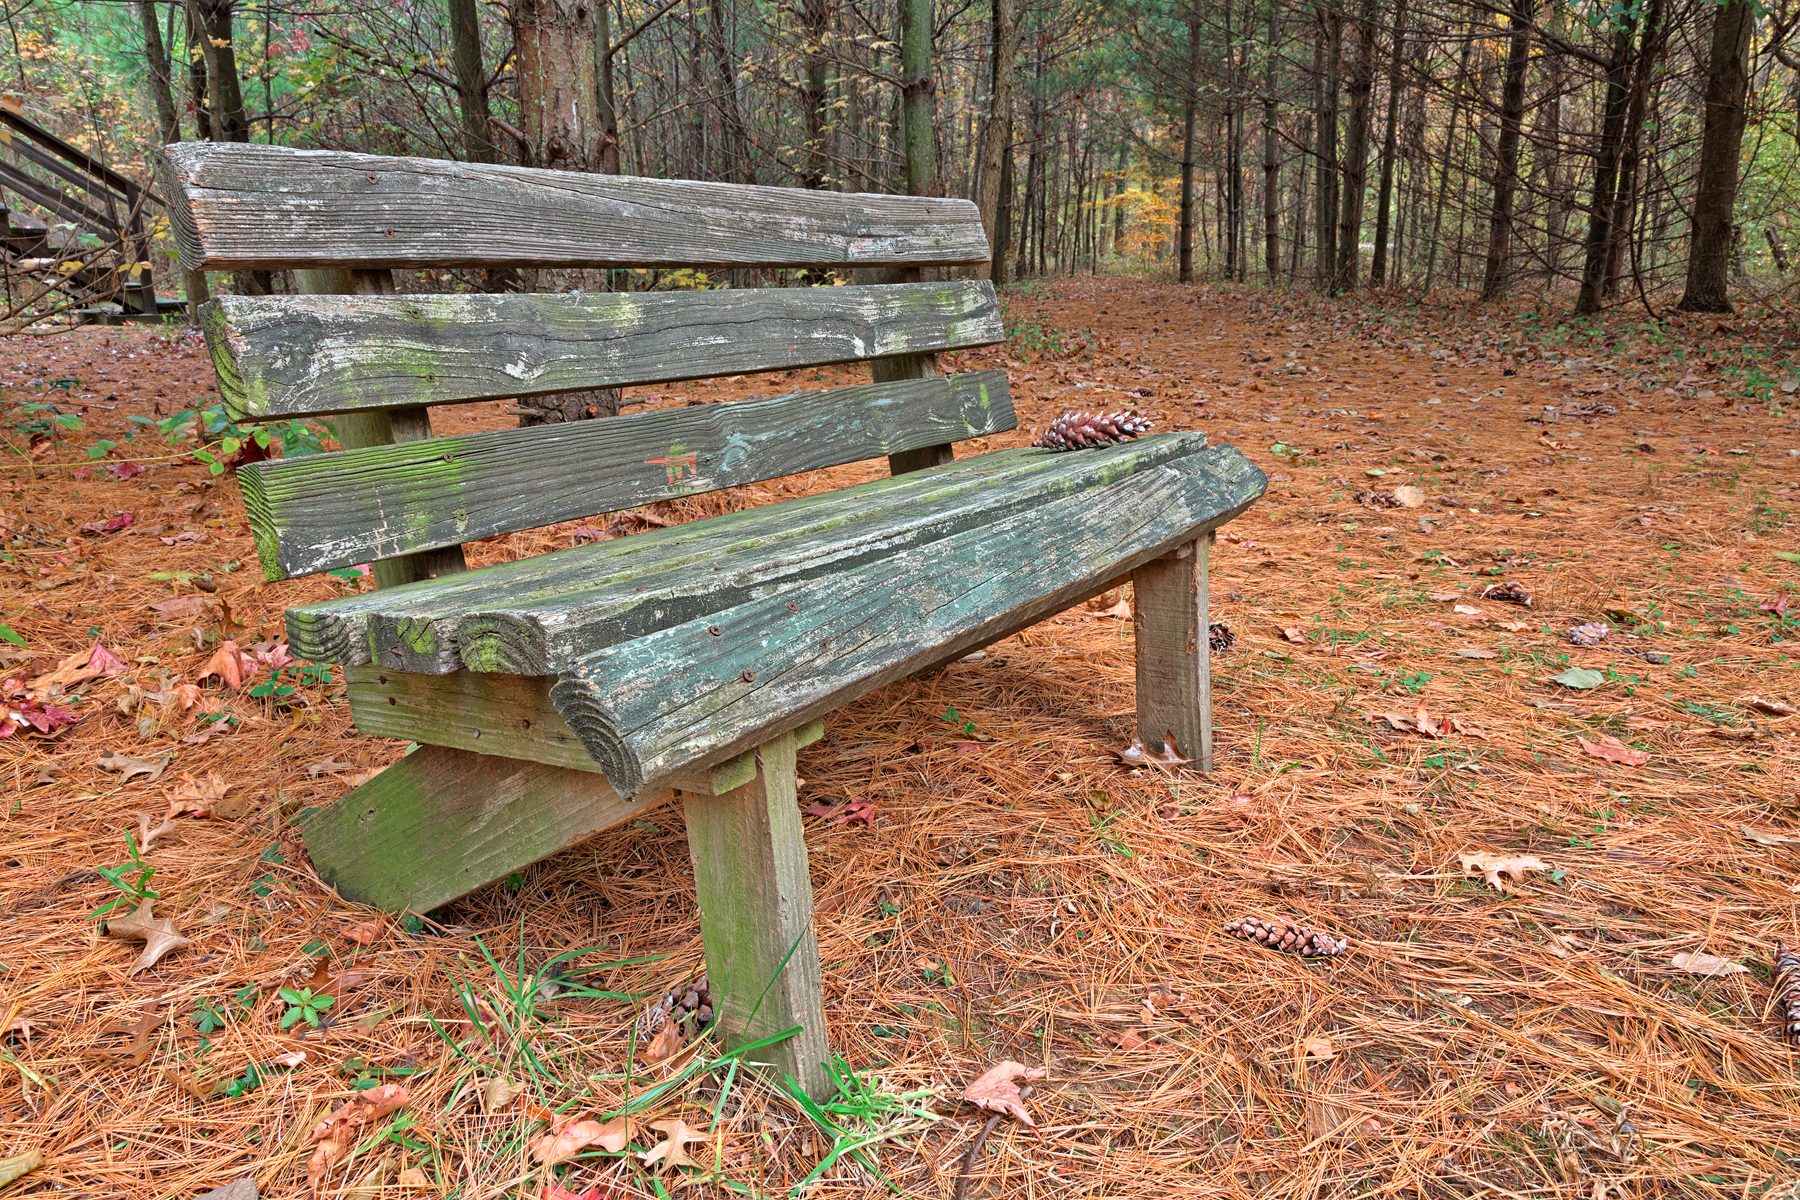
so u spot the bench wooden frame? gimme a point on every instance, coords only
(538, 691)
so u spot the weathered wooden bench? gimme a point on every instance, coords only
(558, 695)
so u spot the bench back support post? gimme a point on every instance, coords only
(1174, 671)
(378, 427)
(907, 366)
(756, 906)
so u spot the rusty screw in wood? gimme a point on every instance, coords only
(747, 675)
(715, 630)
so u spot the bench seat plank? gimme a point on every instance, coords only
(523, 617)
(335, 510)
(713, 687)
(283, 356)
(237, 207)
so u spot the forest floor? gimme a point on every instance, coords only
(1602, 1019)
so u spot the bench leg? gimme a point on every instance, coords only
(756, 906)
(1174, 676)
(441, 822)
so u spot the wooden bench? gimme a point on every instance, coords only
(558, 695)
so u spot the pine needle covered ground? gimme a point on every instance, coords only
(1559, 977)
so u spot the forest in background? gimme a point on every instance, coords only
(1592, 152)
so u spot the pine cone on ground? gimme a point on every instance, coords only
(1284, 935)
(1220, 637)
(1787, 992)
(1078, 430)
(693, 1002)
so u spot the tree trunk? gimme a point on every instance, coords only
(1271, 163)
(1606, 175)
(1506, 158)
(1437, 216)
(557, 67)
(815, 23)
(559, 109)
(1631, 148)
(998, 144)
(1710, 244)
(224, 90)
(1003, 219)
(198, 93)
(1390, 145)
(1328, 53)
(156, 59)
(603, 72)
(1184, 249)
(1358, 87)
(917, 88)
(471, 81)
(738, 168)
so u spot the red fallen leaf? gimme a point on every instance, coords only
(334, 1136)
(45, 718)
(842, 814)
(80, 667)
(968, 747)
(273, 655)
(1776, 606)
(124, 470)
(1613, 750)
(119, 522)
(559, 1192)
(998, 1090)
(188, 538)
(1131, 1040)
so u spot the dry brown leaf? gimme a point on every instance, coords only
(367, 933)
(1613, 750)
(413, 1180)
(1321, 1048)
(231, 664)
(147, 835)
(1775, 708)
(498, 1092)
(998, 1090)
(1495, 868)
(1139, 755)
(198, 796)
(1475, 652)
(1768, 839)
(663, 1046)
(1709, 965)
(569, 1137)
(20, 1164)
(80, 667)
(129, 768)
(185, 695)
(1295, 634)
(1409, 496)
(180, 608)
(1131, 1039)
(334, 1136)
(672, 1152)
(158, 934)
(327, 767)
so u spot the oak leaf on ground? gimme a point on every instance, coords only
(568, 1137)
(198, 796)
(128, 767)
(1613, 750)
(672, 1151)
(333, 1136)
(1709, 965)
(158, 934)
(230, 664)
(997, 1090)
(1498, 869)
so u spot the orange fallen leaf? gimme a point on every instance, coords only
(230, 664)
(663, 1046)
(366, 933)
(1136, 754)
(1613, 750)
(198, 796)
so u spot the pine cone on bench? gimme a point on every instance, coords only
(1077, 430)
(1284, 935)
(693, 1002)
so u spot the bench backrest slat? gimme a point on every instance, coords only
(293, 355)
(237, 206)
(335, 510)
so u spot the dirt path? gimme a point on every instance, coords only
(1018, 893)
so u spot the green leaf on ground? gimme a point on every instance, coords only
(1579, 677)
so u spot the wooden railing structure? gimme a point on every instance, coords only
(42, 260)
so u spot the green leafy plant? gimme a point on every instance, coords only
(213, 427)
(131, 878)
(304, 1005)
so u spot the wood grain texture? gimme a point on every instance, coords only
(1174, 671)
(515, 609)
(707, 689)
(441, 822)
(294, 355)
(756, 907)
(246, 206)
(503, 716)
(922, 365)
(383, 428)
(334, 510)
